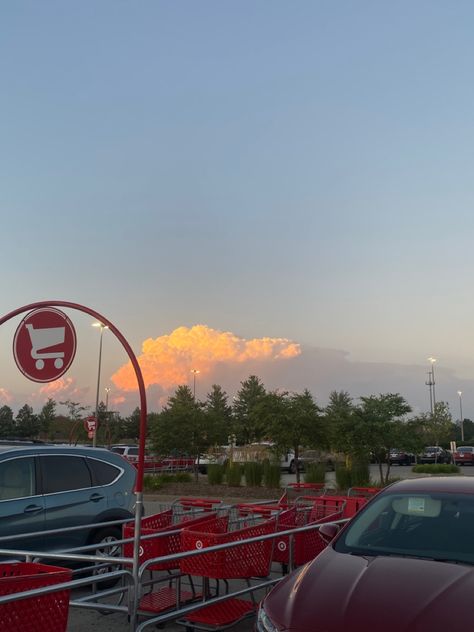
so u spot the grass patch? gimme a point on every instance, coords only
(436, 468)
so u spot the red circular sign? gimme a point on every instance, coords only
(90, 424)
(44, 345)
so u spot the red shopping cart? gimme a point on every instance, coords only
(167, 541)
(250, 560)
(38, 613)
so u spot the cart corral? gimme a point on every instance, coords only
(204, 564)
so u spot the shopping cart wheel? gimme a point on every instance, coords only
(106, 539)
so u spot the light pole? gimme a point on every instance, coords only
(432, 380)
(461, 417)
(194, 372)
(102, 327)
(107, 391)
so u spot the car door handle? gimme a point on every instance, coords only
(96, 497)
(33, 509)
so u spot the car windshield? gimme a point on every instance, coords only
(466, 449)
(436, 526)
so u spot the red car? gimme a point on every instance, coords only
(404, 563)
(464, 455)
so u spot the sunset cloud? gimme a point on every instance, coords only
(5, 396)
(168, 360)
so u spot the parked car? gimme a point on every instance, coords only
(464, 455)
(45, 487)
(404, 563)
(400, 457)
(435, 454)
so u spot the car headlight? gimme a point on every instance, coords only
(264, 623)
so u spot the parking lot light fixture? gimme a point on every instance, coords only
(194, 372)
(102, 327)
(433, 360)
(461, 417)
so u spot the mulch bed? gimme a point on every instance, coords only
(202, 489)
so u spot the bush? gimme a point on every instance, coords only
(155, 482)
(253, 471)
(183, 477)
(233, 474)
(271, 475)
(215, 473)
(343, 477)
(315, 473)
(360, 474)
(436, 468)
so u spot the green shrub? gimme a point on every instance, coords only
(271, 475)
(215, 473)
(343, 477)
(183, 477)
(360, 474)
(233, 474)
(152, 483)
(436, 468)
(253, 472)
(315, 473)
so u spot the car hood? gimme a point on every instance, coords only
(339, 592)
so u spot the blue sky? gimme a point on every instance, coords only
(297, 170)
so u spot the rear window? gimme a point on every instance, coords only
(17, 478)
(103, 473)
(64, 473)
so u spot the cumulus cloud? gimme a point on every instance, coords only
(5, 396)
(167, 360)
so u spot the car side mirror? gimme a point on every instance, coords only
(328, 531)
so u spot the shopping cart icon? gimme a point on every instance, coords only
(45, 338)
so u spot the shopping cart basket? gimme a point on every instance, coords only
(40, 613)
(306, 544)
(250, 560)
(167, 542)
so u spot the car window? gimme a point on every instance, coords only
(118, 450)
(64, 473)
(438, 526)
(133, 451)
(103, 473)
(466, 449)
(17, 478)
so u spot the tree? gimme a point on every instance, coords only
(377, 427)
(219, 414)
(293, 421)
(131, 425)
(6, 421)
(27, 424)
(47, 416)
(182, 426)
(248, 425)
(76, 411)
(339, 419)
(438, 427)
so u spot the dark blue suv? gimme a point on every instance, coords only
(45, 487)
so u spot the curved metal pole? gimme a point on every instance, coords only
(143, 420)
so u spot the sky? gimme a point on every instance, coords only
(242, 187)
